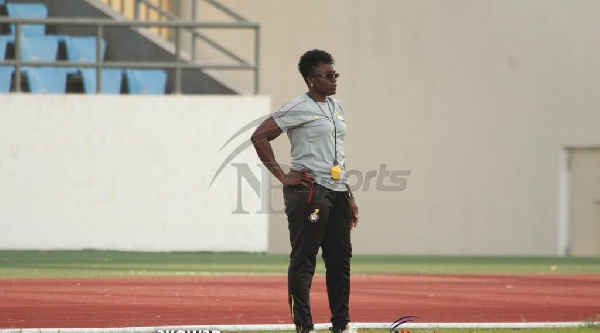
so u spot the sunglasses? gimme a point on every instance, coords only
(328, 76)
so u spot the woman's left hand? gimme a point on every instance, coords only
(354, 210)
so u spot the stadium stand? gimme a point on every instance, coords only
(36, 45)
(125, 49)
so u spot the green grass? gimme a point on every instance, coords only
(61, 264)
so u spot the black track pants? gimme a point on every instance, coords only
(318, 218)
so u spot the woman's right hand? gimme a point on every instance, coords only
(301, 177)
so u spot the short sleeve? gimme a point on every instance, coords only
(290, 116)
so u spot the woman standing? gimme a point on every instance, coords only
(319, 205)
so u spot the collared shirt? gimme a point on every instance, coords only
(311, 128)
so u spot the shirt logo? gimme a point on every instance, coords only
(314, 216)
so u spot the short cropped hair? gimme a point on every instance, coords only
(311, 59)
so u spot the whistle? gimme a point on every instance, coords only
(336, 172)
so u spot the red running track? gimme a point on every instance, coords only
(137, 302)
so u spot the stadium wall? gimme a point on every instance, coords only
(477, 99)
(127, 173)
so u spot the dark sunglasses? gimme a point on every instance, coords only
(329, 76)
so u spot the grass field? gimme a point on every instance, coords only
(89, 264)
(62, 264)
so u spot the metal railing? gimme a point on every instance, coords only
(177, 64)
(158, 9)
(163, 14)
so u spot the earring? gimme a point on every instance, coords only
(311, 84)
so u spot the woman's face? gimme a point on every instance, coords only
(321, 85)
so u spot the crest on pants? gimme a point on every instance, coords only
(314, 216)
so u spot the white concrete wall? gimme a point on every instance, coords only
(125, 173)
(477, 98)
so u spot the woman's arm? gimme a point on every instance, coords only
(264, 133)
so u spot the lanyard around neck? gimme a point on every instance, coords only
(335, 162)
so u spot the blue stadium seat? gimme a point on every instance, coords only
(39, 48)
(111, 80)
(47, 80)
(3, 42)
(29, 10)
(5, 71)
(83, 49)
(146, 81)
(5, 78)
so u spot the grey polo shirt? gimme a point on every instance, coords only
(311, 133)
